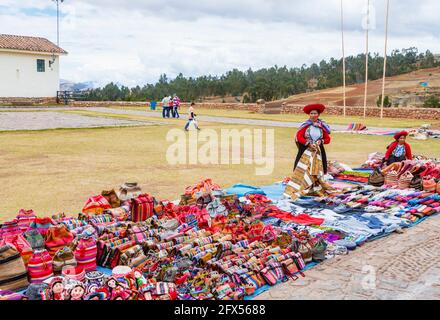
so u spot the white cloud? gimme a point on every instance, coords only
(133, 42)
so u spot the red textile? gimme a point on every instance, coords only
(303, 219)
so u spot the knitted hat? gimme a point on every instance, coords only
(318, 107)
(34, 291)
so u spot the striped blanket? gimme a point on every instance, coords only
(307, 178)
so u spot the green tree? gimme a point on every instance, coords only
(387, 103)
(432, 102)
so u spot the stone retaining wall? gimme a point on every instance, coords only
(28, 101)
(404, 113)
(254, 107)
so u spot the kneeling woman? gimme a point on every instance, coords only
(311, 160)
(399, 150)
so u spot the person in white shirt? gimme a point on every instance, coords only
(165, 110)
(191, 117)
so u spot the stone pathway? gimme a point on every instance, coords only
(29, 120)
(200, 118)
(400, 266)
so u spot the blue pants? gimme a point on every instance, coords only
(189, 122)
(166, 112)
(175, 113)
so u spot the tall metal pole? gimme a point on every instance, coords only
(343, 56)
(366, 60)
(58, 20)
(58, 24)
(385, 60)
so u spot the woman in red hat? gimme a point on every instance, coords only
(311, 160)
(399, 150)
(313, 134)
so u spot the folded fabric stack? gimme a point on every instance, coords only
(374, 160)
(353, 176)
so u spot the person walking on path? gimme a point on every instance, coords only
(191, 117)
(170, 108)
(165, 110)
(176, 106)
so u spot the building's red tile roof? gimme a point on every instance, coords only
(24, 43)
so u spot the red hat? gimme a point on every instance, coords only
(399, 134)
(318, 107)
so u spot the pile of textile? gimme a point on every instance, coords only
(340, 172)
(424, 133)
(353, 176)
(213, 244)
(127, 245)
(415, 174)
(384, 207)
(374, 160)
(356, 127)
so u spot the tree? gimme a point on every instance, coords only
(271, 83)
(432, 102)
(387, 103)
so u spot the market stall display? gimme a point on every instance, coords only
(211, 245)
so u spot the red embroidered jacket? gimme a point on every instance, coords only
(393, 146)
(301, 136)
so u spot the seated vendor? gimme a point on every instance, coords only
(399, 150)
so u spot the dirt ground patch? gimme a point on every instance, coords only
(57, 170)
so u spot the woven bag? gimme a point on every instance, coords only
(405, 180)
(13, 275)
(377, 178)
(391, 178)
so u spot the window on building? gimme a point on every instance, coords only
(41, 65)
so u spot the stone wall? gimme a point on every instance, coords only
(107, 103)
(228, 106)
(27, 101)
(404, 113)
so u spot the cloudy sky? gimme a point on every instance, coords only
(133, 42)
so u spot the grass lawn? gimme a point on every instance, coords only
(57, 170)
(373, 122)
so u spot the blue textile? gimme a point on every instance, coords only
(274, 191)
(244, 189)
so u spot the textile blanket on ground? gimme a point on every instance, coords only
(180, 246)
(242, 189)
(307, 177)
(371, 132)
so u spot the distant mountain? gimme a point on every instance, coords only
(66, 85)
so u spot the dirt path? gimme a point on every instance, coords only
(28, 120)
(201, 118)
(401, 266)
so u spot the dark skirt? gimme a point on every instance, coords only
(393, 159)
(302, 148)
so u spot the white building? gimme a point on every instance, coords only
(29, 67)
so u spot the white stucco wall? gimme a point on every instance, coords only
(19, 76)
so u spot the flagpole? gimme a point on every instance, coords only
(385, 59)
(343, 56)
(366, 60)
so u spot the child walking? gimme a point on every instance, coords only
(191, 117)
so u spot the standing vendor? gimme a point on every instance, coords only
(311, 160)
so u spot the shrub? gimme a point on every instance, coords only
(432, 102)
(386, 102)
